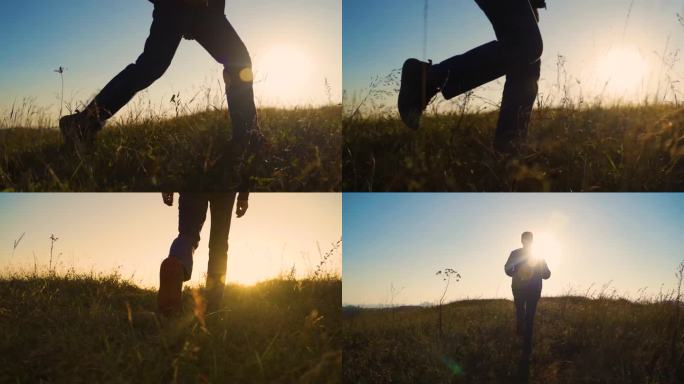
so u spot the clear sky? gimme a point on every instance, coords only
(633, 240)
(133, 232)
(600, 43)
(295, 46)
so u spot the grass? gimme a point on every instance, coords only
(95, 329)
(620, 148)
(577, 340)
(183, 153)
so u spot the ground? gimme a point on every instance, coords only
(90, 329)
(620, 148)
(577, 340)
(179, 154)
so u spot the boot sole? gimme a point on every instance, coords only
(170, 287)
(412, 93)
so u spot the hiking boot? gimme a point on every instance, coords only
(171, 276)
(215, 287)
(79, 130)
(416, 91)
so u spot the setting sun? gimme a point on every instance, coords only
(283, 72)
(547, 247)
(621, 70)
(279, 234)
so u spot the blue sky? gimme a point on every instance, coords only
(132, 233)
(380, 34)
(631, 240)
(95, 39)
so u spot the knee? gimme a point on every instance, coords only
(184, 246)
(238, 74)
(237, 69)
(239, 56)
(526, 76)
(155, 71)
(534, 70)
(534, 48)
(525, 50)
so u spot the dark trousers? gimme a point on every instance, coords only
(210, 28)
(525, 299)
(515, 53)
(192, 212)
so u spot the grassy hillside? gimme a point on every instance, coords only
(84, 329)
(184, 153)
(637, 148)
(577, 340)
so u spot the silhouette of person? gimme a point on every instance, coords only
(173, 20)
(177, 267)
(527, 271)
(515, 53)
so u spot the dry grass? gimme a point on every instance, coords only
(144, 152)
(577, 340)
(101, 329)
(620, 148)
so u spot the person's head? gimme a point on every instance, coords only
(527, 239)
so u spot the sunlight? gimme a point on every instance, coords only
(546, 246)
(248, 271)
(623, 68)
(284, 71)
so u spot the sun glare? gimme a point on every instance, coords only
(546, 246)
(622, 70)
(283, 72)
(248, 274)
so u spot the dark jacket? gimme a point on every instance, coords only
(526, 271)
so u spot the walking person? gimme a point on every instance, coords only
(515, 54)
(177, 267)
(527, 270)
(173, 20)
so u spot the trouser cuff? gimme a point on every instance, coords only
(182, 249)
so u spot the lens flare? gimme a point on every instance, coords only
(452, 365)
(547, 247)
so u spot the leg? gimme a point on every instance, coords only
(79, 129)
(518, 44)
(192, 211)
(178, 266)
(212, 30)
(530, 310)
(519, 94)
(221, 211)
(519, 301)
(160, 47)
